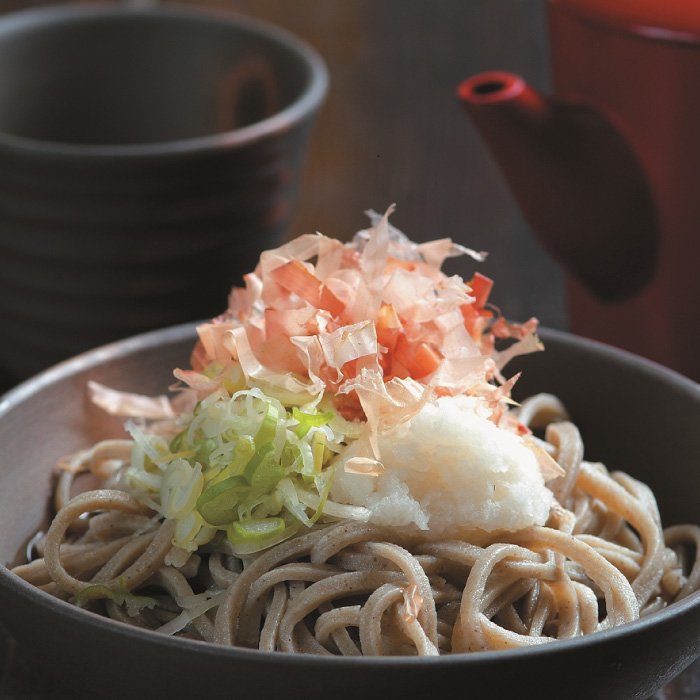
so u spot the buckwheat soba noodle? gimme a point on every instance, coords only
(342, 472)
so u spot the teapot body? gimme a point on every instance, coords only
(645, 80)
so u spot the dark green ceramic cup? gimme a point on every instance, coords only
(147, 156)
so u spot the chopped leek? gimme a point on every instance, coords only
(238, 466)
(255, 531)
(268, 427)
(262, 458)
(100, 591)
(217, 504)
(307, 421)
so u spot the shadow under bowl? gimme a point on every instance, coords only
(633, 414)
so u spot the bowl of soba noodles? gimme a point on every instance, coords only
(360, 478)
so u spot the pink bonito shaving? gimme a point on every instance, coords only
(373, 323)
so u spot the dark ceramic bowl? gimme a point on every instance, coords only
(633, 414)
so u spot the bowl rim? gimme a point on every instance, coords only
(308, 101)
(93, 623)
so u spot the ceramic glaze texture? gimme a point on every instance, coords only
(671, 19)
(147, 157)
(647, 89)
(607, 169)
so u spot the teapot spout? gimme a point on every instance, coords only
(576, 180)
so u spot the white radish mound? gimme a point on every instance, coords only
(449, 468)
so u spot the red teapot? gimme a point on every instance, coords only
(607, 169)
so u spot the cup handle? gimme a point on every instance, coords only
(248, 93)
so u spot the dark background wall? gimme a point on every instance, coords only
(391, 129)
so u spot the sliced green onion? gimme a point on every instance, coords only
(203, 448)
(267, 476)
(290, 497)
(255, 531)
(307, 461)
(100, 591)
(318, 450)
(191, 531)
(262, 456)
(291, 529)
(290, 459)
(268, 428)
(245, 464)
(310, 420)
(176, 444)
(143, 480)
(323, 484)
(181, 486)
(218, 502)
(242, 453)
